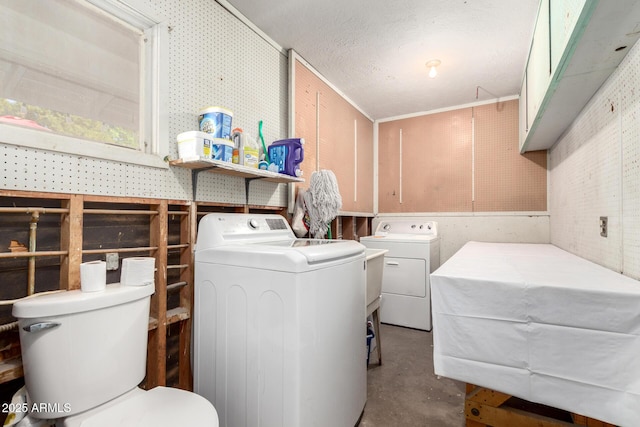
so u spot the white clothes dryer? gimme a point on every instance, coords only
(414, 253)
(279, 336)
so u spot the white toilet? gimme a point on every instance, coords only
(84, 354)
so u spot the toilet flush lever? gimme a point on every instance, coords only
(35, 327)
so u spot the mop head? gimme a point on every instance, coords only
(323, 201)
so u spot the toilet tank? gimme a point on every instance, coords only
(82, 349)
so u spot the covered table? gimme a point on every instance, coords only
(541, 324)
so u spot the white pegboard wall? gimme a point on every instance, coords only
(594, 172)
(630, 117)
(264, 193)
(213, 59)
(585, 186)
(34, 170)
(27, 169)
(216, 60)
(141, 181)
(220, 188)
(217, 187)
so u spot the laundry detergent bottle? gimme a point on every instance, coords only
(287, 154)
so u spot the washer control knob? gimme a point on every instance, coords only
(386, 227)
(421, 226)
(413, 226)
(253, 224)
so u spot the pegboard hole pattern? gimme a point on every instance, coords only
(594, 172)
(28, 169)
(216, 60)
(213, 59)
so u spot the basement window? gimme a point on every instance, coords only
(85, 78)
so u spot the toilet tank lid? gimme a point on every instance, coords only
(69, 302)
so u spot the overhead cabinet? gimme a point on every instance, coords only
(538, 70)
(575, 48)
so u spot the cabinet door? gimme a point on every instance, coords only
(563, 16)
(523, 123)
(539, 65)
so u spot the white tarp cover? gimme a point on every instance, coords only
(541, 324)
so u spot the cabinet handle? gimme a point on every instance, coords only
(393, 263)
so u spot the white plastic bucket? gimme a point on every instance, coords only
(194, 144)
(216, 121)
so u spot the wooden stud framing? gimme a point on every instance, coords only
(351, 227)
(157, 345)
(187, 235)
(72, 228)
(71, 240)
(336, 226)
(486, 408)
(363, 227)
(348, 228)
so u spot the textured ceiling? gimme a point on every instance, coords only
(375, 51)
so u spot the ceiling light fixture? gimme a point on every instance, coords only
(431, 65)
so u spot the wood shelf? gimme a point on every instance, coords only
(352, 225)
(227, 168)
(198, 165)
(177, 314)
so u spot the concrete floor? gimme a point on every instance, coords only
(404, 391)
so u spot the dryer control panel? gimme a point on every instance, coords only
(407, 227)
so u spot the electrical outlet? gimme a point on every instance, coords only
(603, 226)
(112, 261)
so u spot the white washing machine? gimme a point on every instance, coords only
(279, 336)
(414, 253)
